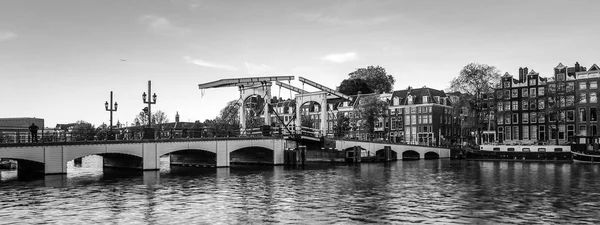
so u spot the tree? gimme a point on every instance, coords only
(370, 109)
(341, 126)
(475, 81)
(376, 77)
(354, 86)
(159, 117)
(83, 131)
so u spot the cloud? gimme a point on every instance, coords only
(203, 63)
(162, 25)
(256, 69)
(7, 35)
(341, 21)
(341, 57)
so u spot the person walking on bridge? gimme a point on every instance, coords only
(33, 129)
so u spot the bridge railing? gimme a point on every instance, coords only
(49, 135)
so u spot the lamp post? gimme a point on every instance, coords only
(149, 102)
(149, 132)
(111, 109)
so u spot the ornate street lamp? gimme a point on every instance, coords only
(149, 132)
(109, 107)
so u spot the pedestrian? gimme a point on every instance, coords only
(34, 129)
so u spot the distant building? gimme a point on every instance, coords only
(17, 129)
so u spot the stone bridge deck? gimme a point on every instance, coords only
(52, 158)
(402, 151)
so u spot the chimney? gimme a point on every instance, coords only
(577, 67)
(177, 117)
(525, 72)
(520, 74)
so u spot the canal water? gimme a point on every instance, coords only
(403, 192)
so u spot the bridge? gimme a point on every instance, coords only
(52, 158)
(399, 151)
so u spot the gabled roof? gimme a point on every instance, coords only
(532, 72)
(418, 94)
(594, 67)
(560, 66)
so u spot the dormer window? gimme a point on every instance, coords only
(410, 99)
(425, 99)
(396, 101)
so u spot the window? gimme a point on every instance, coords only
(532, 81)
(515, 93)
(410, 99)
(532, 106)
(593, 97)
(413, 109)
(561, 132)
(498, 94)
(552, 88)
(570, 130)
(593, 114)
(594, 130)
(525, 105)
(541, 104)
(542, 132)
(500, 119)
(582, 98)
(425, 99)
(429, 119)
(582, 115)
(525, 118)
(570, 115)
(524, 92)
(499, 106)
(532, 92)
(533, 118)
(507, 133)
(407, 120)
(570, 86)
(593, 84)
(396, 101)
(506, 106)
(582, 130)
(515, 133)
(541, 118)
(515, 105)
(393, 125)
(541, 91)
(533, 133)
(582, 85)
(506, 84)
(500, 133)
(515, 117)
(507, 119)
(506, 94)
(570, 100)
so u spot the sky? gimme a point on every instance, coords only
(60, 59)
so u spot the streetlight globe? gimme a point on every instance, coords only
(116, 104)
(106, 105)
(154, 97)
(144, 96)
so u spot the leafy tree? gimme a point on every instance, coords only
(83, 131)
(341, 126)
(354, 86)
(376, 77)
(158, 117)
(370, 109)
(475, 81)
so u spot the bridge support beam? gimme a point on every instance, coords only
(150, 156)
(122, 161)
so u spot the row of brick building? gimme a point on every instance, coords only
(535, 109)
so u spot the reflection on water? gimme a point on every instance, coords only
(432, 191)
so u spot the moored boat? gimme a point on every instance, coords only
(586, 157)
(522, 153)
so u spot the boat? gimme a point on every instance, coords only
(522, 153)
(582, 157)
(7, 164)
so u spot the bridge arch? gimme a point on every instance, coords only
(192, 157)
(252, 155)
(380, 154)
(432, 155)
(411, 155)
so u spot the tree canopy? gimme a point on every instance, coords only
(375, 77)
(475, 81)
(370, 109)
(354, 86)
